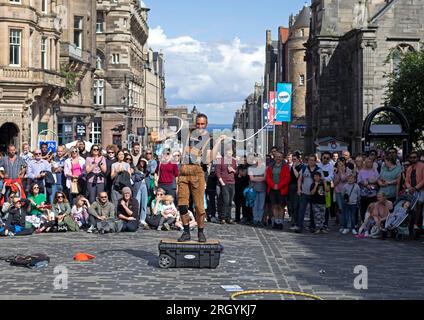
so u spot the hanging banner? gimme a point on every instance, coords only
(284, 102)
(271, 109)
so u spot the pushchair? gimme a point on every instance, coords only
(398, 221)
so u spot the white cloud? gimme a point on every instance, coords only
(215, 75)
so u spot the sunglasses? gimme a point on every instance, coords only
(96, 149)
(74, 151)
(38, 154)
(36, 188)
(128, 159)
(59, 197)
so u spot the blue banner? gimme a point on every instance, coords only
(284, 102)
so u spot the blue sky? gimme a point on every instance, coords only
(214, 49)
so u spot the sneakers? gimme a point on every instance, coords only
(159, 228)
(345, 231)
(367, 234)
(318, 231)
(91, 229)
(341, 230)
(297, 229)
(354, 232)
(293, 228)
(201, 237)
(223, 222)
(325, 231)
(167, 227)
(185, 237)
(146, 227)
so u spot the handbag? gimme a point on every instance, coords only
(74, 186)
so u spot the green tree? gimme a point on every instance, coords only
(71, 82)
(406, 90)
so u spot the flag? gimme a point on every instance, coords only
(271, 109)
(284, 102)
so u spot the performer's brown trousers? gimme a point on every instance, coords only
(191, 179)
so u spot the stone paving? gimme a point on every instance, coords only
(126, 266)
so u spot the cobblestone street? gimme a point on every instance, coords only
(126, 266)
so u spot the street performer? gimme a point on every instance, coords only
(191, 180)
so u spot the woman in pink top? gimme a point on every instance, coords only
(96, 169)
(74, 171)
(340, 179)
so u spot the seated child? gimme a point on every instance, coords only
(168, 213)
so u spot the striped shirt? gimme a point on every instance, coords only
(12, 168)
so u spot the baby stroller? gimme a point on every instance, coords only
(398, 221)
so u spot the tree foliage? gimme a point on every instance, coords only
(71, 82)
(406, 91)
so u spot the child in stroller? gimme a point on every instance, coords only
(398, 221)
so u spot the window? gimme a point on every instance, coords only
(397, 55)
(98, 92)
(44, 53)
(131, 94)
(15, 1)
(96, 133)
(302, 80)
(44, 5)
(15, 37)
(125, 22)
(100, 22)
(302, 32)
(78, 32)
(115, 58)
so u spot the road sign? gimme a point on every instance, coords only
(80, 131)
(51, 146)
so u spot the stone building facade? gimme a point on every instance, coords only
(74, 117)
(249, 120)
(119, 83)
(296, 74)
(30, 81)
(352, 45)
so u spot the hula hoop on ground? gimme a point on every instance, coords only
(283, 292)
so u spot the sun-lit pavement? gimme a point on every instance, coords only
(126, 266)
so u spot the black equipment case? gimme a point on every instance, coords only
(191, 254)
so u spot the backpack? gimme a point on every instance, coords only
(250, 196)
(37, 260)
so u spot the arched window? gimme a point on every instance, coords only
(397, 54)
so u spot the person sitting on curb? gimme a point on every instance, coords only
(101, 210)
(62, 212)
(153, 218)
(168, 213)
(79, 211)
(15, 224)
(128, 211)
(7, 206)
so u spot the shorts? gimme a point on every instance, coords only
(276, 198)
